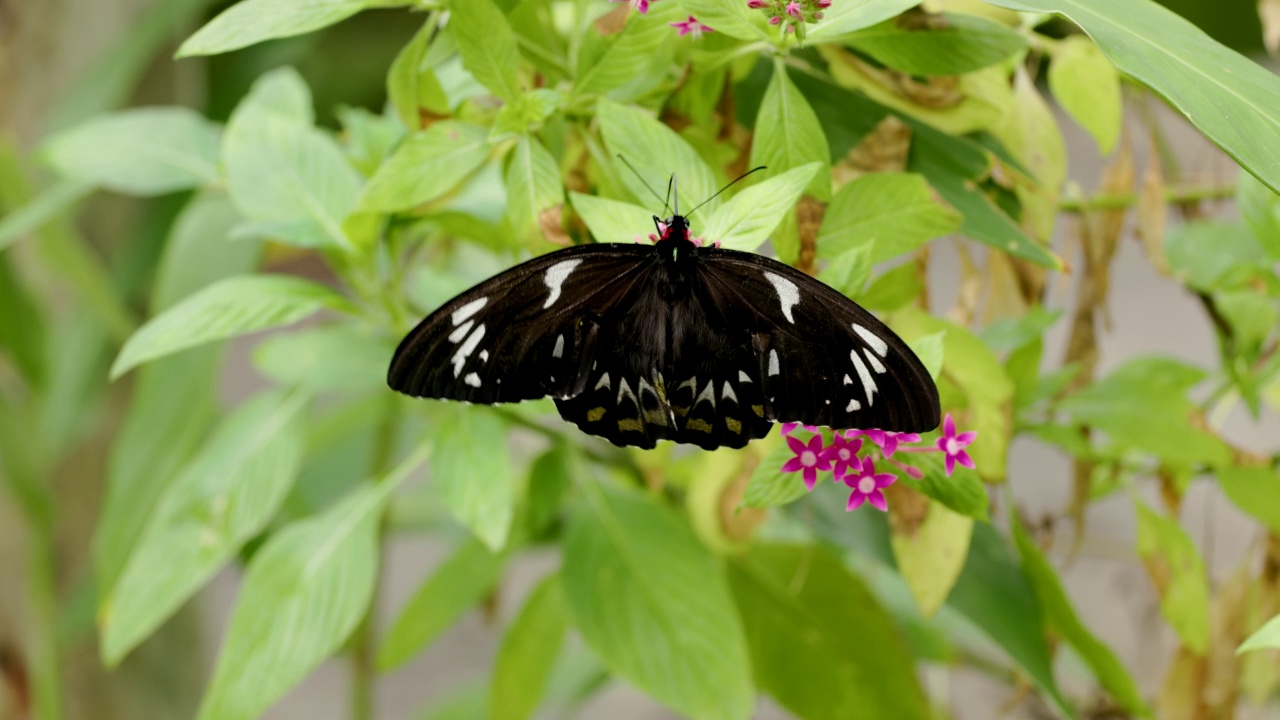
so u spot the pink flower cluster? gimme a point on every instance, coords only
(842, 459)
(792, 13)
(684, 27)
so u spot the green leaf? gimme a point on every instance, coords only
(453, 150)
(746, 220)
(249, 22)
(1214, 255)
(22, 327)
(669, 625)
(931, 554)
(338, 358)
(1061, 616)
(487, 45)
(55, 201)
(769, 486)
(963, 492)
(849, 271)
(847, 17)
(1255, 490)
(625, 58)
(1266, 637)
(533, 186)
(1144, 405)
(656, 151)
(145, 151)
(892, 289)
(1178, 572)
(1232, 100)
(472, 465)
(368, 138)
(1087, 86)
(612, 220)
(230, 307)
(411, 83)
(813, 655)
(897, 212)
(1013, 333)
(931, 351)
(1259, 206)
(462, 581)
(529, 650)
(304, 592)
(950, 44)
(290, 180)
(788, 134)
(733, 19)
(223, 497)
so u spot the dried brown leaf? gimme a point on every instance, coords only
(1269, 14)
(1153, 212)
(884, 149)
(551, 223)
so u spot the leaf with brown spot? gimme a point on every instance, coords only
(551, 223)
(884, 149)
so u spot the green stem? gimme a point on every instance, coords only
(42, 595)
(1172, 196)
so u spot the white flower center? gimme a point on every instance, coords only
(808, 458)
(866, 485)
(953, 447)
(844, 453)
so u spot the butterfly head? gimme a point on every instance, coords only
(675, 227)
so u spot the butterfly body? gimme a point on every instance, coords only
(674, 340)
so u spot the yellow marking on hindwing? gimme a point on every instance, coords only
(630, 424)
(758, 410)
(733, 425)
(594, 414)
(698, 424)
(681, 411)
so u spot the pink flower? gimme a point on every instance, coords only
(787, 428)
(793, 9)
(886, 440)
(641, 5)
(952, 445)
(756, 4)
(866, 485)
(691, 27)
(809, 459)
(843, 454)
(775, 20)
(824, 4)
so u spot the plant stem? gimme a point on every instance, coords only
(1173, 196)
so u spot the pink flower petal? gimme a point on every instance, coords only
(948, 427)
(876, 498)
(855, 501)
(884, 480)
(792, 465)
(951, 464)
(963, 458)
(796, 444)
(810, 478)
(965, 438)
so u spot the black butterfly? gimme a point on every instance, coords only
(670, 341)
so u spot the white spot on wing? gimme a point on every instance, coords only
(472, 379)
(788, 293)
(468, 310)
(691, 383)
(555, 277)
(853, 405)
(848, 380)
(624, 389)
(708, 393)
(603, 382)
(880, 346)
(456, 336)
(559, 351)
(875, 362)
(773, 363)
(728, 393)
(460, 357)
(868, 383)
(743, 377)
(484, 356)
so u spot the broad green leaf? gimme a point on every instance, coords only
(412, 83)
(1087, 86)
(1266, 637)
(173, 402)
(1259, 207)
(626, 57)
(747, 219)
(814, 655)
(1232, 100)
(930, 552)
(657, 152)
(249, 22)
(57, 200)
(472, 465)
(336, 357)
(529, 650)
(22, 327)
(1013, 333)
(145, 151)
(1144, 405)
(1029, 131)
(896, 212)
(892, 289)
(931, 352)
(1062, 617)
(846, 17)
(533, 186)
(223, 497)
(487, 45)
(527, 114)
(949, 44)
(669, 624)
(303, 594)
(452, 150)
(733, 19)
(1255, 490)
(613, 220)
(769, 486)
(1177, 570)
(230, 307)
(849, 271)
(368, 138)
(290, 180)
(455, 587)
(963, 492)
(788, 134)
(1214, 255)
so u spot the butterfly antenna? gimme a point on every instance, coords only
(675, 187)
(726, 187)
(670, 184)
(642, 181)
